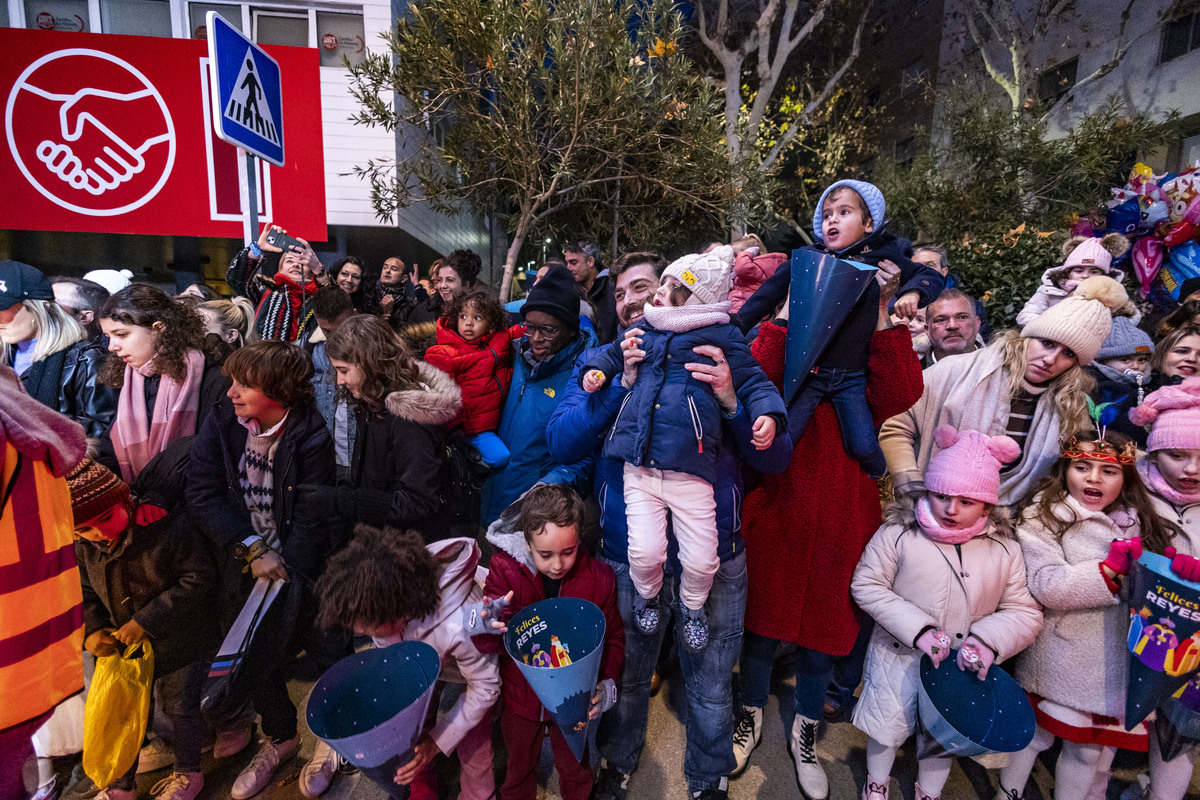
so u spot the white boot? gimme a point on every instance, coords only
(746, 737)
(814, 784)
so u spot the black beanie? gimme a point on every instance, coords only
(556, 295)
(1189, 286)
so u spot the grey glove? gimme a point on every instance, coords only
(474, 620)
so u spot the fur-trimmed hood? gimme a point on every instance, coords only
(903, 512)
(436, 402)
(506, 535)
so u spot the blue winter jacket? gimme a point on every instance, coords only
(532, 396)
(579, 426)
(672, 421)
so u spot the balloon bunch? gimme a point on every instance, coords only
(1161, 216)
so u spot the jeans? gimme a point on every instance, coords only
(848, 669)
(813, 671)
(847, 389)
(180, 692)
(708, 756)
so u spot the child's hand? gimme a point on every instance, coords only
(1182, 565)
(935, 644)
(130, 633)
(593, 381)
(424, 751)
(148, 513)
(604, 698)
(269, 565)
(764, 432)
(906, 305)
(101, 643)
(1122, 553)
(476, 616)
(975, 656)
(631, 348)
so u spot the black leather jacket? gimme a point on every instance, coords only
(67, 382)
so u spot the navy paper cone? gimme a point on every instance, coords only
(969, 717)
(1164, 648)
(371, 706)
(824, 289)
(569, 632)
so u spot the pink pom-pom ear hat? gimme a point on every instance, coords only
(968, 464)
(1173, 412)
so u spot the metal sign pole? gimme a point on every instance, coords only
(251, 198)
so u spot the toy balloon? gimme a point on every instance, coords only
(1124, 217)
(1147, 260)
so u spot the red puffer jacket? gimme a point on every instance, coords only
(482, 369)
(749, 272)
(806, 529)
(511, 569)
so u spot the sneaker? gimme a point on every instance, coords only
(114, 793)
(721, 792)
(810, 775)
(48, 790)
(695, 630)
(646, 615)
(746, 737)
(261, 769)
(876, 791)
(611, 784)
(921, 794)
(318, 772)
(155, 756)
(179, 786)
(231, 741)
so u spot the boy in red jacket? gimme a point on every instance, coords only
(548, 560)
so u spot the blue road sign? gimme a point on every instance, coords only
(247, 91)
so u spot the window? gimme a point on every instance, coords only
(1189, 152)
(1055, 82)
(57, 15)
(276, 28)
(339, 37)
(197, 12)
(136, 17)
(911, 77)
(1180, 36)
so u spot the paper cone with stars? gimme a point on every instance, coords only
(558, 645)
(370, 707)
(1164, 635)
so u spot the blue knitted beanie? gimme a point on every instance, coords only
(870, 194)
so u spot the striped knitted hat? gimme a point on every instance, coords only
(94, 490)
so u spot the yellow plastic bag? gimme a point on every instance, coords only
(118, 707)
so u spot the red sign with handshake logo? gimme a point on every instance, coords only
(114, 134)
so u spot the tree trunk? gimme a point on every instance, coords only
(510, 258)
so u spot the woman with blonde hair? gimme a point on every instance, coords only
(50, 350)
(1029, 385)
(230, 320)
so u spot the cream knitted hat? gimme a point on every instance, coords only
(1083, 320)
(707, 275)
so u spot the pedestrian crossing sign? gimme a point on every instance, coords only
(247, 91)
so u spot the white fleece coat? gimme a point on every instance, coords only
(968, 392)
(1186, 517)
(906, 581)
(1079, 660)
(443, 630)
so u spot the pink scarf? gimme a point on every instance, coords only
(1158, 484)
(137, 439)
(36, 431)
(946, 535)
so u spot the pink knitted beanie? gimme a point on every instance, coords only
(968, 464)
(1173, 412)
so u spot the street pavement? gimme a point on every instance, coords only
(660, 774)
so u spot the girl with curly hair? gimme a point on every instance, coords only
(475, 346)
(246, 464)
(401, 407)
(168, 383)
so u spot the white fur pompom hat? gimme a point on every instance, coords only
(1083, 320)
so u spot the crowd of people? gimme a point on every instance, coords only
(362, 441)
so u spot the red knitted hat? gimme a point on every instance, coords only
(94, 490)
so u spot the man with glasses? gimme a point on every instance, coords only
(543, 363)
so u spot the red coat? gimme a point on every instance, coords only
(806, 528)
(749, 272)
(482, 369)
(589, 579)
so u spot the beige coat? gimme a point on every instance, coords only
(908, 582)
(1079, 660)
(1186, 517)
(969, 392)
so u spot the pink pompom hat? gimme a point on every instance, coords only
(1173, 414)
(968, 464)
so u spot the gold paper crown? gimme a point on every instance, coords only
(1100, 450)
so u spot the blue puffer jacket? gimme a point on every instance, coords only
(670, 420)
(578, 427)
(532, 396)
